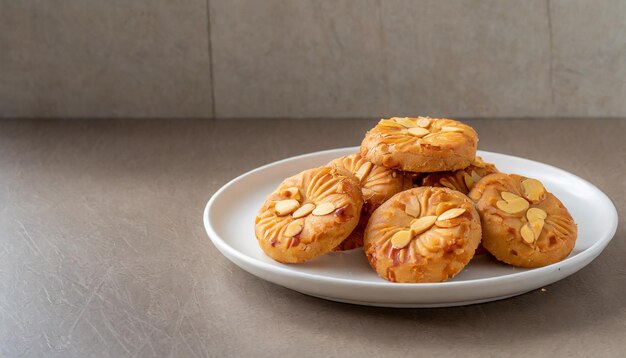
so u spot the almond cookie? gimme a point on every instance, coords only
(463, 179)
(420, 144)
(422, 235)
(523, 224)
(309, 214)
(377, 185)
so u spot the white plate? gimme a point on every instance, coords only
(347, 277)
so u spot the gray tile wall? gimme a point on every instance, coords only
(104, 58)
(312, 58)
(589, 57)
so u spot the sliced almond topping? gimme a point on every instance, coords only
(446, 223)
(285, 207)
(533, 189)
(536, 218)
(447, 183)
(413, 207)
(389, 123)
(424, 122)
(451, 129)
(304, 210)
(364, 170)
(512, 206)
(405, 121)
(508, 196)
(401, 239)
(422, 224)
(537, 226)
(418, 131)
(451, 214)
(294, 228)
(443, 207)
(512, 203)
(527, 234)
(475, 176)
(291, 193)
(324, 209)
(535, 213)
(478, 162)
(469, 182)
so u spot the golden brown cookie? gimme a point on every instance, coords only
(309, 214)
(422, 235)
(523, 224)
(463, 179)
(420, 144)
(377, 185)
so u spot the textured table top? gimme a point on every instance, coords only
(103, 252)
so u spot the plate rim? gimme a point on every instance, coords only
(586, 255)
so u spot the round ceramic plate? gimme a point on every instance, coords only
(347, 277)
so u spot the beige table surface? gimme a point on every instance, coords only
(103, 252)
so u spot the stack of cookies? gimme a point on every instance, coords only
(419, 202)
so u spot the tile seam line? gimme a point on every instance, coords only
(210, 50)
(550, 39)
(381, 29)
